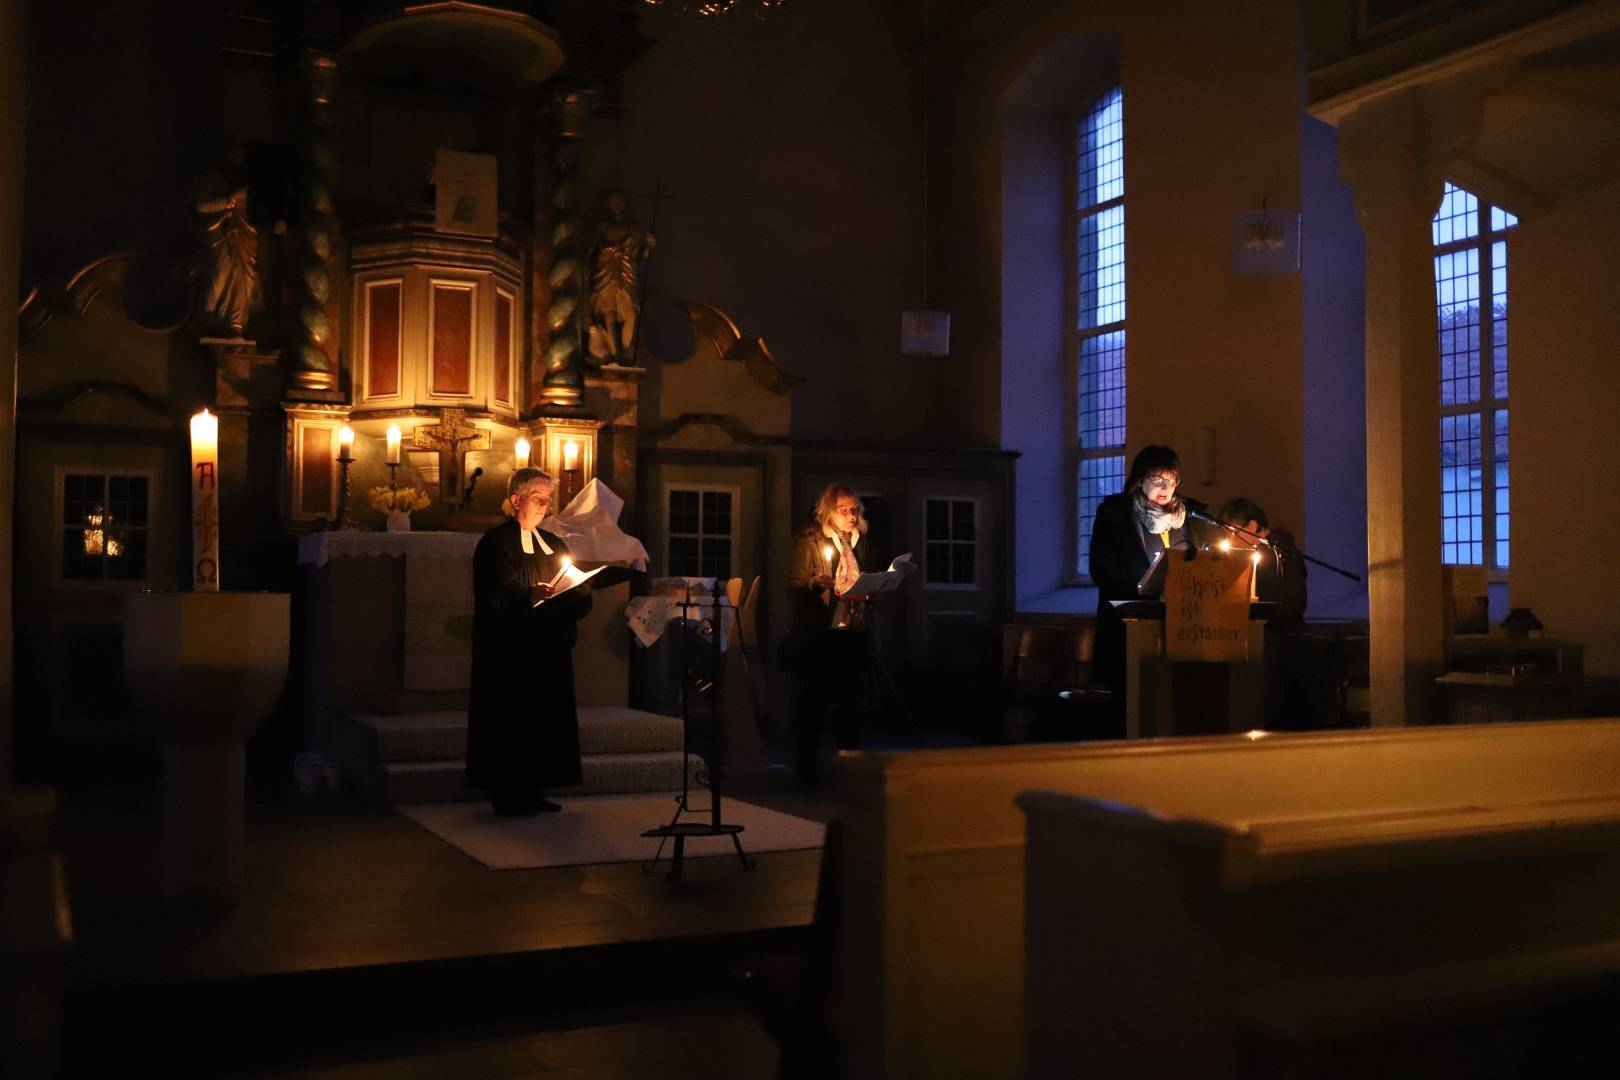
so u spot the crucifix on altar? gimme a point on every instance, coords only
(450, 438)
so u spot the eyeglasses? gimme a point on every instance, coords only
(1162, 481)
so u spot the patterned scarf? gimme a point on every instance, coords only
(848, 567)
(1158, 519)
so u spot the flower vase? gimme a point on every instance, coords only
(399, 521)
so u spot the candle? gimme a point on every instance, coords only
(566, 563)
(826, 557)
(393, 444)
(570, 455)
(346, 443)
(521, 452)
(205, 502)
(1254, 576)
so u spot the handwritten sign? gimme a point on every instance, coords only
(1206, 609)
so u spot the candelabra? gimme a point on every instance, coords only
(341, 519)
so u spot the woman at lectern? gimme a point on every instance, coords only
(826, 649)
(1149, 516)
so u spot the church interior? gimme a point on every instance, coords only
(303, 284)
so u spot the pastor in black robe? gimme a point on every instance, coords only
(522, 730)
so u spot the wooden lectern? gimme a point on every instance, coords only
(1149, 700)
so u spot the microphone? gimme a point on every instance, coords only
(1199, 515)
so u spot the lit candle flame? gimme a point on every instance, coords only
(205, 502)
(561, 571)
(570, 455)
(393, 444)
(346, 443)
(205, 428)
(521, 452)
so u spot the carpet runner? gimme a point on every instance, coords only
(604, 829)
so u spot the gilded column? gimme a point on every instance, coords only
(314, 352)
(564, 379)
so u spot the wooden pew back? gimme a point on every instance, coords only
(933, 880)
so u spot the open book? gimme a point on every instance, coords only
(876, 581)
(570, 576)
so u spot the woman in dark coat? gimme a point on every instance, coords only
(522, 731)
(827, 648)
(1147, 516)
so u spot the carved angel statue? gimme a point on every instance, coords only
(618, 254)
(230, 267)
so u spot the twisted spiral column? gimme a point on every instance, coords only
(314, 356)
(564, 381)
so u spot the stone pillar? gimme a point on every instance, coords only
(314, 352)
(564, 381)
(1389, 157)
(12, 88)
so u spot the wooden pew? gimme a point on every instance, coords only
(1166, 946)
(933, 976)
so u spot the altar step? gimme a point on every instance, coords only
(418, 757)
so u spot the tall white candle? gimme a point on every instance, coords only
(1254, 576)
(520, 453)
(346, 443)
(205, 502)
(393, 444)
(570, 455)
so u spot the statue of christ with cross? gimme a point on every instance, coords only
(451, 438)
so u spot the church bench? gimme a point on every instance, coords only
(1227, 949)
(933, 898)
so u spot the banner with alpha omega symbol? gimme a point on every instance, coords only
(1206, 608)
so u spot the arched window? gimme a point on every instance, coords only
(1470, 265)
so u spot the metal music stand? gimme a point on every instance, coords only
(677, 829)
(879, 676)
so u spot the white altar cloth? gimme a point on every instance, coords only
(315, 548)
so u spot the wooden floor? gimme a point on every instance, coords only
(364, 946)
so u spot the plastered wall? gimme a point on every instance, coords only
(1212, 109)
(1564, 393)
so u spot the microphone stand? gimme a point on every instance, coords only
(1277, 552)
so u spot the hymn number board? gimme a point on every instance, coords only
(1206, 609)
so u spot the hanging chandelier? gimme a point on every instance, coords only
(715, 8)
